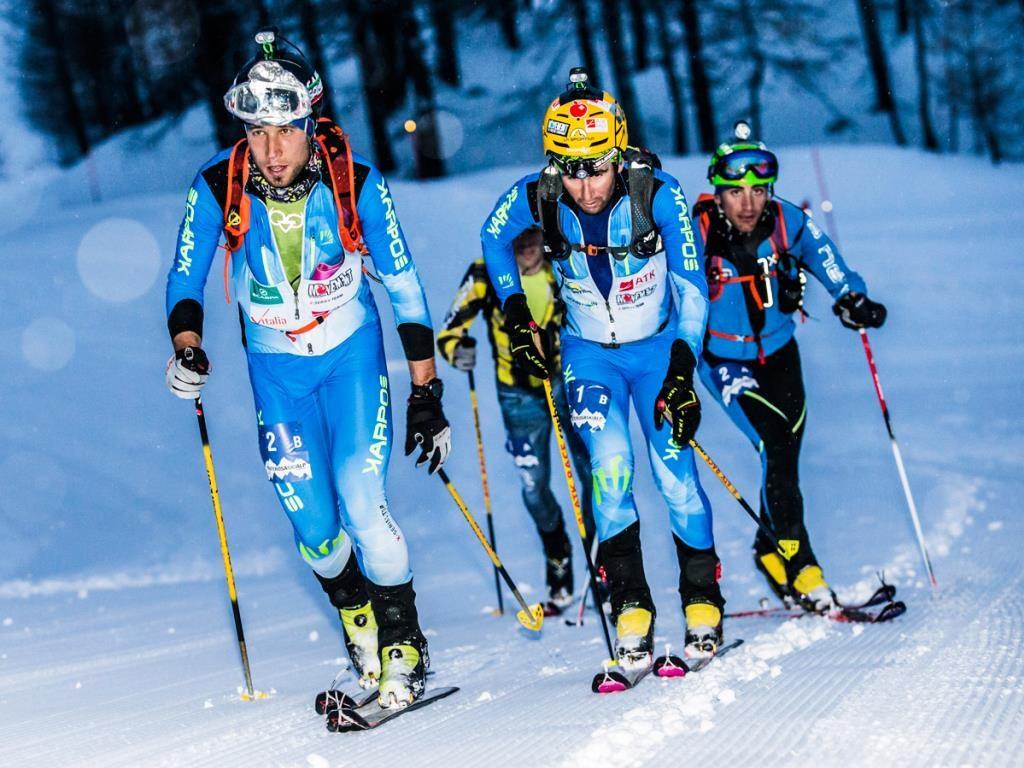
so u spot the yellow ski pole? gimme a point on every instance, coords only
(483, 480)
(531, 616)
(225, 554)
(577, 510)
(786, 547)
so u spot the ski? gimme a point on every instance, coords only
(844, 614)
(370, 714)
(614, 680)
(670, 665)
(335, 699)
(883, 595)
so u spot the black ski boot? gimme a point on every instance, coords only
(558, 570)
(699, 572)
(403, 649)
(632, 607)
(347, 592)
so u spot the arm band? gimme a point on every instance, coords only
(187, 315)
(417, 341)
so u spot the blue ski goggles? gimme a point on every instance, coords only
(758, 163)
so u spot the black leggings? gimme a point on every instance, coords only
(775, 413)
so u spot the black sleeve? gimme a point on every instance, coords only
(417, 341)
(187, 315)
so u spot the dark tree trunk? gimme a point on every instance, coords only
(65, 82)
(884, 101)
(443, 19)
(311, 35)
(903, 12)
(369, 55)
(981, 106)
(426, 138)
(921, 62)
(505, 12)
(699, 81)
(586, 42)
(637, 9)
(219, 56)
(758, 66)
(672, 81)
(623, 83)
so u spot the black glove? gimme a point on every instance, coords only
(426, 426)
(464, 354)
(520, 328)
(856, 311)
(677, 399)
(187, 372)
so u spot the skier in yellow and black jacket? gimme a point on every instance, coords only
(521, 397)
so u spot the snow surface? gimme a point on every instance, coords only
(116, 639)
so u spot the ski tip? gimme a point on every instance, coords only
(533, 620)
(609, 682)
(670, 666)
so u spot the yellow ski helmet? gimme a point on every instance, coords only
(583, 128)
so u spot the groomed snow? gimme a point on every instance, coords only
(116, 639)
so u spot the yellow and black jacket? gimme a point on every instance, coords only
(476, 295)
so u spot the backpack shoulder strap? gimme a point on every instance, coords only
(337, 153)
(236, 203)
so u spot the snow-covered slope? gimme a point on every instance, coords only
(116, 642)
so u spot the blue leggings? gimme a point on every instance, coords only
(325, 437)
(599, 382)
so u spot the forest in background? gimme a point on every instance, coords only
(88, 69)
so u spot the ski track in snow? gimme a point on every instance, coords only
(116, 641)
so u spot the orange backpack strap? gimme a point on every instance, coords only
(236, 207)
(337, 153)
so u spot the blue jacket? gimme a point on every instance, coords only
(271, 309)
(639, 302)
(742, 293)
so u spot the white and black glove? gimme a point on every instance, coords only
(856, 311)
(464, 354)
(187, 372)
(426, 426)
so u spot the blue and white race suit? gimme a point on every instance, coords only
(322, 396)
(621, 319)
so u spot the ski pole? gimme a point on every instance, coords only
(899, 458)
(577, 510)
(483, 480)
(225, 554)
(531, 616)
(786, 547)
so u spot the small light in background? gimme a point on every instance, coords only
(826, 205)
(410, 126)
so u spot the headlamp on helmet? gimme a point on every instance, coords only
(583, 124)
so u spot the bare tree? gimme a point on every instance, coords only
(638, 23)
(700, 84)
(921, 65)
(673, 81)
(310, 25)
(623, 83)
(879, 62)
(586, 42)
(442, 19)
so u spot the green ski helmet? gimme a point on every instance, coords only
(743, 162)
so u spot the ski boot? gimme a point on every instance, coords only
(773, 568)
(634, 638)
(347, 593)
(404, 659)
(403, 673)
(813, 592)
(699, 572)
(558, 570)
(360, 628)
(703, 630)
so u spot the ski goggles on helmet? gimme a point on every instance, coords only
(582, 167)
(748, 166)
(271, 96)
